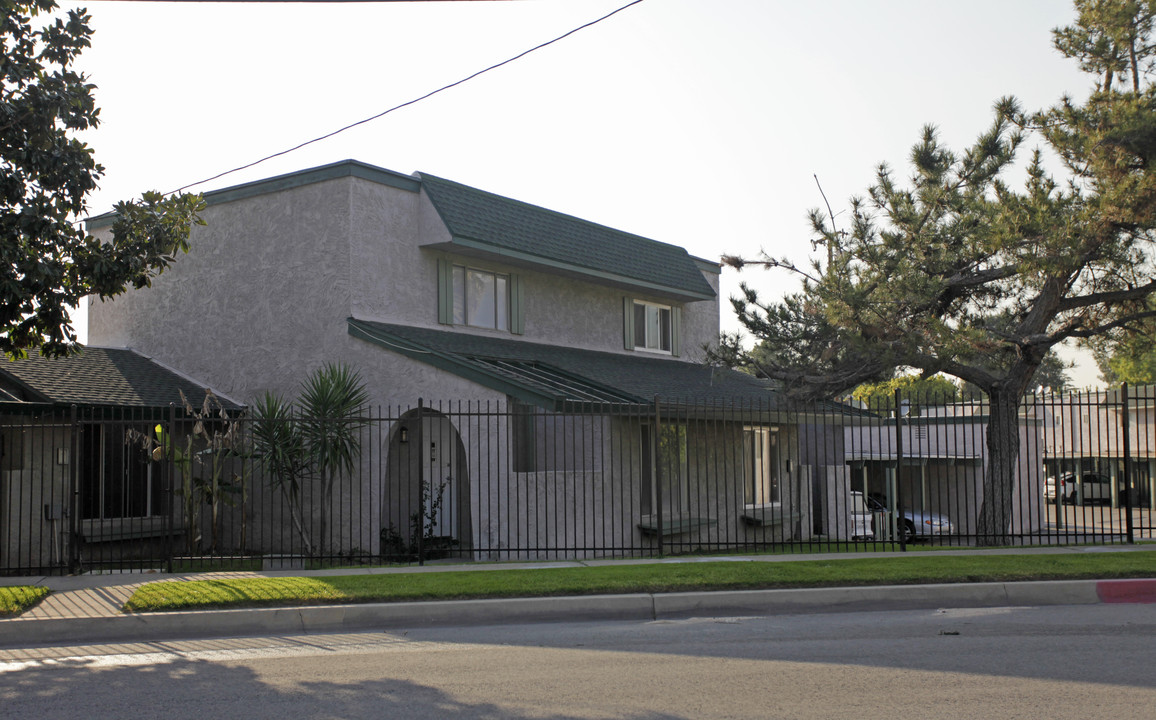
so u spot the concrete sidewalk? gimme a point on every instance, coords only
(87, 608)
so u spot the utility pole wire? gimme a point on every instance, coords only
(255, 2)
(408, 103)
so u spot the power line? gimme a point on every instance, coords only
(408, 103)
(254, 2)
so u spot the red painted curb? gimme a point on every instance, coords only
(1127, 591)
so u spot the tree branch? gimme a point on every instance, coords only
(1082, 301)
(1105, 327)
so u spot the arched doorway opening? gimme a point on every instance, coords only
(426, 490)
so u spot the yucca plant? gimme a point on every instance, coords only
(316, 438)
(280, 448)
(331, 403)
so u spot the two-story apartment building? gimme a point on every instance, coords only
(436, 291)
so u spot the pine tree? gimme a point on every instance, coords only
(957, 272)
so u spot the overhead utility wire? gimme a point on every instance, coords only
(256, 2)
(408, 103)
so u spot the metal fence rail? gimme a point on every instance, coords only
(103, 489)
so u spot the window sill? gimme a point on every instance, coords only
(458, 327)
(113, 530)
(768, 516)
(674, 525)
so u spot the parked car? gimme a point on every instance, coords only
(916, 523)
(1091, 486)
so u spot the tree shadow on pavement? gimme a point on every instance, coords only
(174, 689)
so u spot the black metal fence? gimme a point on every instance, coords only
(88, 490)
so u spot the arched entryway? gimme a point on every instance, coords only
(426, 490)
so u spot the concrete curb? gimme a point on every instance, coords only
(637, 607)
(1127, 591)
(323, 619)
(889, 597)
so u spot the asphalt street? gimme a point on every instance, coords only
(1060, 662)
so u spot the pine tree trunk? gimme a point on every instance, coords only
(1003, 447)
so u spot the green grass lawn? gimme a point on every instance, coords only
(620, 579)
(17, 599)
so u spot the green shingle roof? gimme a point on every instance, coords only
(99, 376)
(554, 376)
(483, 221)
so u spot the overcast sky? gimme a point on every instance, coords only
(700, 123)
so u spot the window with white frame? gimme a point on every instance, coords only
(480, 298)
(652, 327)
(760, 466)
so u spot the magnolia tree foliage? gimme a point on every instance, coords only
(48, 262)
(955, 271)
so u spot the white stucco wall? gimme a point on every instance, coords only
(262, 297)
(31, 478)
(392, 279)
(258, 300)
(700, 321)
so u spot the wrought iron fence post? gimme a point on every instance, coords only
(324, 550)
(170, 470)
(421, 489)
(74, 560)
(897, 501)
(1127, 430)
(656, 453)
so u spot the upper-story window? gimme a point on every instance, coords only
(481, 298)
(651, 327)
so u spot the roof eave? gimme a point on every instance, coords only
(478, 249)
(38, 396)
